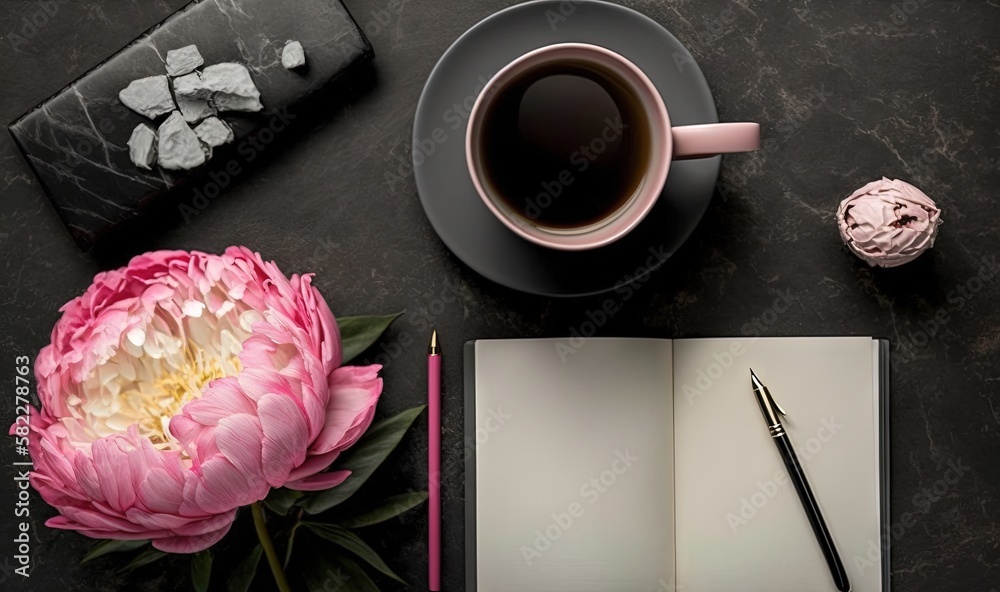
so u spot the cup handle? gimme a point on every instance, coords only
(710, 139)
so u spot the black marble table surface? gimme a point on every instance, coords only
(845, 91)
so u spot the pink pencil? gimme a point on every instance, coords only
(434, 464)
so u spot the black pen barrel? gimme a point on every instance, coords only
(798, 478)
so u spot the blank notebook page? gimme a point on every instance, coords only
(574, 489)
(739, 522)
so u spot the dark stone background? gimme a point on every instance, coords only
(847, 91)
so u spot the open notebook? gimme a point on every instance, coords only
(644, 465)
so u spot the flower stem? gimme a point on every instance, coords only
(272, 555)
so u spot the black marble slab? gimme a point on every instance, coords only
(76, 140)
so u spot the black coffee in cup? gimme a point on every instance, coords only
(565, 144)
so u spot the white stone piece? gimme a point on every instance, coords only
(179, 147)
(191, 86)
(142, 146)
(293, 56)
(194, 110)
(148, 96)
(184, 60)
(232, 87)
(214, 132)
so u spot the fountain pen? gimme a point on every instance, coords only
(771, 410)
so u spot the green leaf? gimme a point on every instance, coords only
(145, 558)
(105, 547)
(359, 333)
(291, 543)
(338, 574)
(351, 542)
(362, 459)
(388, 509)
(243, 573)
(201, 570)
(281, 500)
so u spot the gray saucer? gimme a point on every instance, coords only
(457, 213)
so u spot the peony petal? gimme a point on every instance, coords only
(222, 487)
(222, 398)
(185, 429)
(285, 433)
(58, 467)
(319, 481)
(239, 438)
(207, 524)
(160, 492)
(91, 518)
(63, 523)
(87, 476)
(354, 392)
(156, 520)
(313, 464)
(109, 462)
(190, 544)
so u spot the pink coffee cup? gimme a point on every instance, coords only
(666, 143)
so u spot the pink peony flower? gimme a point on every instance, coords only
(184, 386)
(888, 223)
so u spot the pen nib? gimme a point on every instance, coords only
(433, 349)
(758, 385)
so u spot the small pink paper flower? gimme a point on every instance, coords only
(184, 386)
(888, 223)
